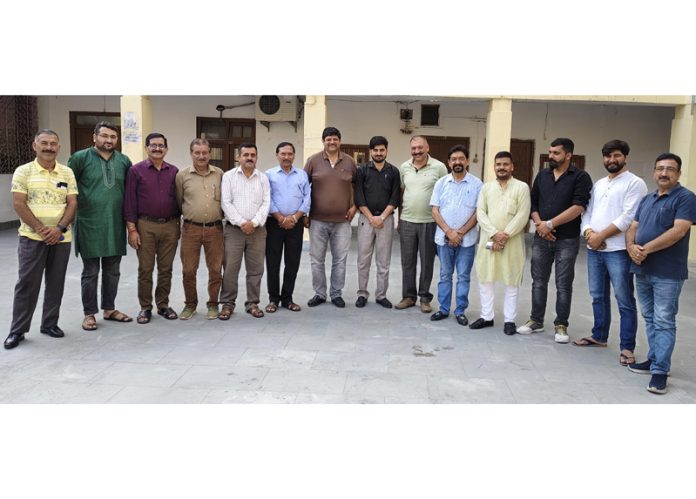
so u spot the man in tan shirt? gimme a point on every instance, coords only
(198, 195)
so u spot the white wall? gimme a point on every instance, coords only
(590, 126)
(7, 213)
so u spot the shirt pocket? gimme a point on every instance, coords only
(512, 205)
(665, 218)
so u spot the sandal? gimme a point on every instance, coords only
(588, 342)
(271, 307)
(225, 313)
(89, 323)
(167, 313)
(144, 316)
(626, 357)
(293, 307)
(118, 316)
(255, 311)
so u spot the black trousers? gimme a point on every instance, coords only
(277, 240)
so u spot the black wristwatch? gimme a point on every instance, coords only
(62, 228)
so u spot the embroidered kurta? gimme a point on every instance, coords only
(100, 229)
(504, 210)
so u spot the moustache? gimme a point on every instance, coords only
(48, 151)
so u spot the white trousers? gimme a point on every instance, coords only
(487, 291)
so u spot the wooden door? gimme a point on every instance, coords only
(225, 135)
(82, 125)
(359, 153)
(523, 157)
(440, 145)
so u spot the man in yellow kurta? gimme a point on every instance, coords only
(503, 214)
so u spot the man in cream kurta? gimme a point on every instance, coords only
(502, 213)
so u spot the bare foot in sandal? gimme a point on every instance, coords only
(89, 323)
(271, 307)
(255, 311)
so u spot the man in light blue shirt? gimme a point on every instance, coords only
(290, 201)
(454, 211)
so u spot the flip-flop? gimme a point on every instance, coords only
(118, 316)
(588, 342)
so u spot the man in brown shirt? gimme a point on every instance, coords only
(331, 174)
(198, 196)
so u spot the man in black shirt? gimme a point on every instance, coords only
(560, 194)
(377, 193)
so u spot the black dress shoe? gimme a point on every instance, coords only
(480, 323)
(316, 300)
(53, 332)
(361, 302)
(338, 301)
(13, 340)
(385, 303)
(462, 320)
(438, 316)
(509, 328)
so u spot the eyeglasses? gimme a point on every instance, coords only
(157, 146)
(668, 169)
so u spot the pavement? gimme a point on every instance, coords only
(326, 354)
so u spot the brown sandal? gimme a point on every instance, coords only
(271, 307)
(293, 307)
(118, 316)
(255, 311)
(225, 313)
(89, 323)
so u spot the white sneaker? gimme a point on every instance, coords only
(530, 327)
(561, 334)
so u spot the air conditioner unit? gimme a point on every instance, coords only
(276, 108)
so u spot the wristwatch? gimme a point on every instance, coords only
(549, 224)
(62, 228)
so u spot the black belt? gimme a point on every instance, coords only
(204, 224)
(158, 220)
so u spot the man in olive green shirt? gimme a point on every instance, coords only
(100, 229)
(198, 196)
(416, 224)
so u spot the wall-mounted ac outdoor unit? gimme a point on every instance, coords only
(276, 108)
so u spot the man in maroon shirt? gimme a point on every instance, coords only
(152, 219)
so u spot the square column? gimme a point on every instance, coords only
(683, 143)
(314, 124)
(136, 123)
(498, 133)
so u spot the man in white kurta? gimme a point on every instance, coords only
(503, 214)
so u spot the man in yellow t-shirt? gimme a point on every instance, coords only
(44, 194)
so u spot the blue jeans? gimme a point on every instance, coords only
(562, 254)
(461, 259)
(659, 304)
(605, 269)
(336, 236)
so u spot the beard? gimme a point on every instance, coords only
(614, 167)
(553, 164)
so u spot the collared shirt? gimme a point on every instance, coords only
(417, 185)
(290, 192)
(199, 195)
(47, 195)
(614, 201)
(656, 215)
(245, 198)
(551, 197)
(457, 202)
(377, 189)
(332, 187)
(150, 192)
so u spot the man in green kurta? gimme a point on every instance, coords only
(503, 214)
(100, 229)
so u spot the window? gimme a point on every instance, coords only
(18, 124)
(430, 115)
(225, 135)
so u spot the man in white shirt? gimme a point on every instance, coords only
(613, 204)
(246, 199)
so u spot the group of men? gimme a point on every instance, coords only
(102, 201)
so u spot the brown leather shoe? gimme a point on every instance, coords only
(405, 303)
(425, 307)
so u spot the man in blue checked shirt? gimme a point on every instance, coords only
(290, 201)
(454, 210)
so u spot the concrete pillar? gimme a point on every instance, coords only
(136, 123)
(498, 133)
(683, 143)
(314, 124)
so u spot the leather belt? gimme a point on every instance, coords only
(204, 224)
(158, 220)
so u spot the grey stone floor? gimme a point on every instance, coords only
(325, 354)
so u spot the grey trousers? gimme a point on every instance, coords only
(417, 239)
(379, 242)
(322, 235)
(111, 274)
(253, 248)
(35, 259)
